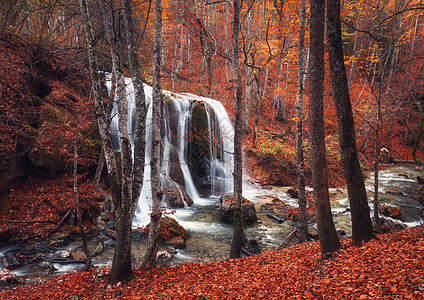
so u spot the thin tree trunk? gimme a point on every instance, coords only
(101, 115)
(361, 221)
(238, 234)
(87, 265)
(328, 238)
(140, 105)
(248, 75)
(303, 219)
(121, 265)
(154, 227)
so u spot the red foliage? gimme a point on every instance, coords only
(42, 200)
(389, 267)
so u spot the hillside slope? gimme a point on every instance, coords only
(389, 267)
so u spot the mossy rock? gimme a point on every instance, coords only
(226, 209)
(390, 211)
(171, 233)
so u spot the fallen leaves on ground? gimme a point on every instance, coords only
(389, 267)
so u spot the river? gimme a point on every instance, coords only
(210, 239)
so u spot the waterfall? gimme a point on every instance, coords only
(209, 169)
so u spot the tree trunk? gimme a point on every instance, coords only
(101, 115)
(121, 266)
(140, 105)
(303, 219)
(87, 265)
(238, 234)
(248, 75)
(361, 221)
(154, 227)
(328, 238)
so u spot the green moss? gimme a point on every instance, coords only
(200, 127)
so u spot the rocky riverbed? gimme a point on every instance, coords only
(209, 238)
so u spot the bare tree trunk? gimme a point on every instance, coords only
(99, 169)
(419, 134)
(238, 235)
(154, 227)
(101, 115)
(328, 238)
(361, 221)
(78, 212)
(303, 218)
(377, 147)
(248, 74)
(121, 266)
(140, 105)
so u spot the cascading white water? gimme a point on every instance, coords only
(220, 134)
(221, 144)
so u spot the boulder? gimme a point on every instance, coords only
(171, 233)
(9, 262)
(7, 277)
(163, 256)
(226, 210)
(390, 211)
(47, 267)
(294, 193)
(175, 195)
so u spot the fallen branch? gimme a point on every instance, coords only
(275, 218)
(30, 222)
(246, 252)
(285, 240)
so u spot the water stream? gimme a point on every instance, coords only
(209, 238)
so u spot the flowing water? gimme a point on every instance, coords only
(209, 238)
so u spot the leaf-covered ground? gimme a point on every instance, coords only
(389, 267)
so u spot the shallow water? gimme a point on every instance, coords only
(210, 239)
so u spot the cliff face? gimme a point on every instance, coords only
(40, 87)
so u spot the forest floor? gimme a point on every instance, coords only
(388, 267)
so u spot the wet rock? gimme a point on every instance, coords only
(64, 254)
(163, 256)
(280, 211)
(97, 249)
(79, 255)
(420, 180)
(252, 247)
(9, 262)
(7, 277)
(341, 232)
(226, 208)
(171, 233)
(176, 196)
(294, 193)
(390, 211)
(47, 267)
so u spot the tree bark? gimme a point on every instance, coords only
(154, 227)
(140, 104)
(121, 266)
(328, 238)
(238, 234)
(87, 265)
(361, 221)
(303, 219)
(101, 115)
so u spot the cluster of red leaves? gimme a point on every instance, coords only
(389, 267)
(42, 200)
(390, 211)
